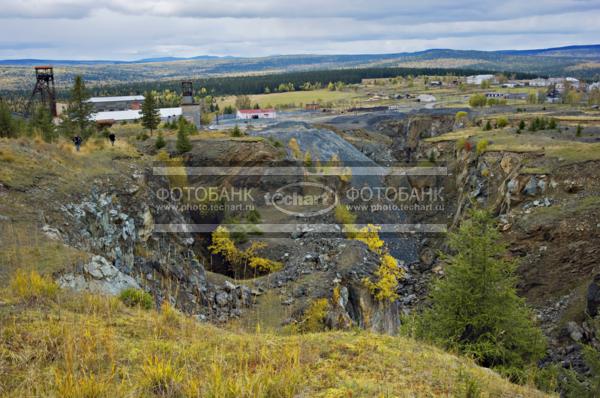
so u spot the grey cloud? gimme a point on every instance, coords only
(407, 11)
(127, 30)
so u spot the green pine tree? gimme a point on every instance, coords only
(7, 124)
(160, 141)
(42, 121)
(79, 110)
(475, 308)
(150, 112)
(183, 143)
(236, 132)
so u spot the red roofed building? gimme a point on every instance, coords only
(256, 114)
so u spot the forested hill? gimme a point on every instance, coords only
(578, 61)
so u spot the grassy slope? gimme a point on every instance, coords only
(71, 346)
(89, 346)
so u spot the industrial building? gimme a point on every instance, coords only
(166, 115)
(109, 110)
(256, 114)
(122, 103)
(478, 79)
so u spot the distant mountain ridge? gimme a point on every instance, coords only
(587, 51)
(582, 62)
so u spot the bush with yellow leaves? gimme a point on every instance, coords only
(370, 236)
(388, 274)
(343, 215)
(223, 244)
(265, 265)
(295, 148)
(314, 316)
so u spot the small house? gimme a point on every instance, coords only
(256, 114)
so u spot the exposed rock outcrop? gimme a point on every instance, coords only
(98, 276)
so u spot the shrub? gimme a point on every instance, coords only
(205, 119)
(31, 286)
(552, 125)
(162, 156)
(275, 143)
(264, 264)
(461, 115)
(579, 130)
(388, 274)
(314, 316)
(460, 144)
(8, 127)
(431, 157)
(343, 215)
(346, 175)
(236, 131)
(308, 160)
(481, 146)
(223, 244)
(253, 216)
(501, 122)
(160, 141)
(370, 236)
(136, 298)
(295, 148)
(574, 385)
(477, 100)
(488, 126)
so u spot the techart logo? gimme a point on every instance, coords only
(303, 199)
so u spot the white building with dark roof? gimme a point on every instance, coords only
(120, 103)
(256, 114)
(166, 115)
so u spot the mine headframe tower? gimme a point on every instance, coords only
(44, 86)
(187, 92)
(189, 109)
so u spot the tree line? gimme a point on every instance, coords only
(259, 84)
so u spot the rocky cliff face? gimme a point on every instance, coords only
(549, 218)
(115, 223)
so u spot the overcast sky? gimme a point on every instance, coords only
(127, 30)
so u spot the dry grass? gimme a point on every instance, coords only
(567, 151)
(92, 346)
(24, 161)
(24, 246)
